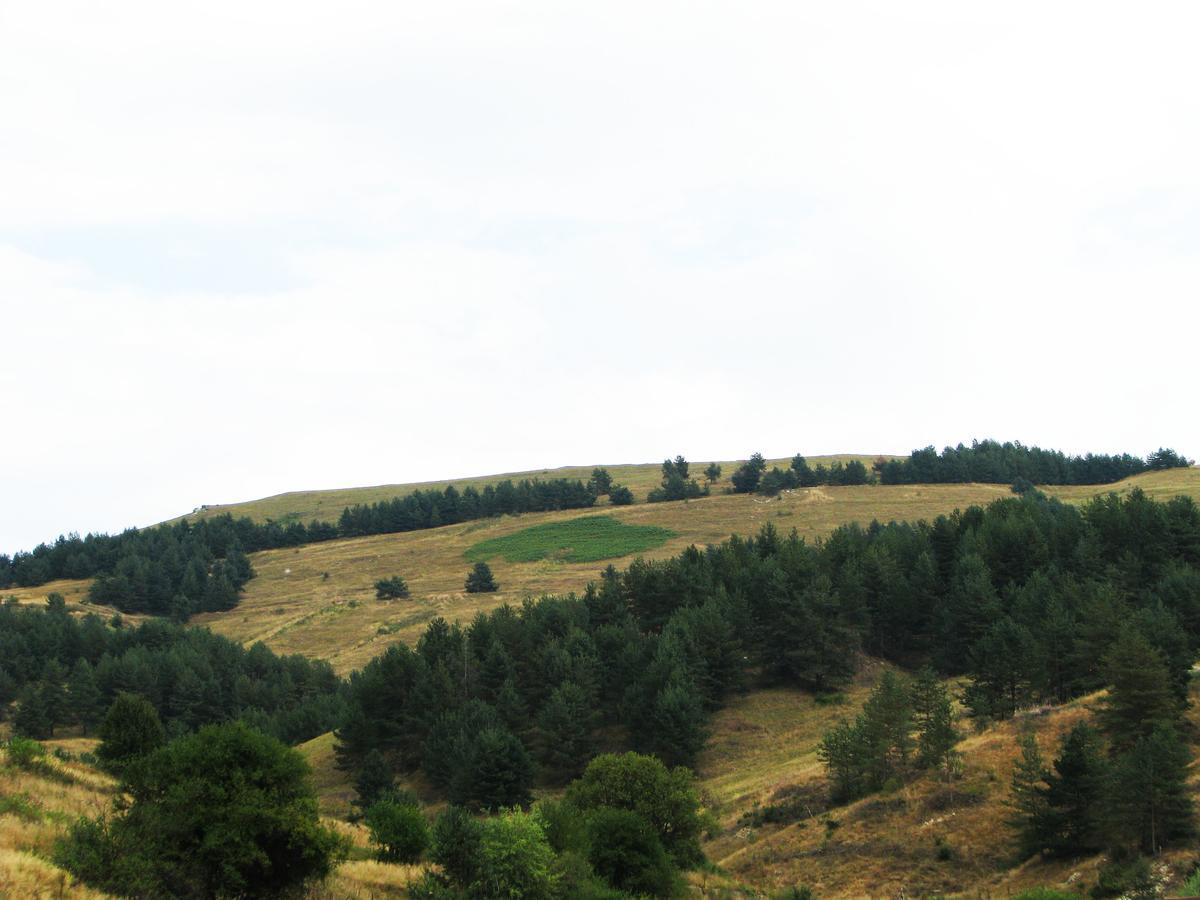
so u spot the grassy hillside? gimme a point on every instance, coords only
(327, 505)
(763, 753)
(320, 599)
(761, 758)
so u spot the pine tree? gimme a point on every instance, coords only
(54, 694)
(565, 733)
(1140, 696)
(374, 779)
(1002, 666)
(480, 580)
(84, 700)
(1030, 818)
(496, 773)
(130, 730)
(1150, 804)
(679, 722)
(933, 716)
(1075, 794)
(887, 730)
(30, 719)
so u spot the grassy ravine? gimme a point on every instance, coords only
(586, 539)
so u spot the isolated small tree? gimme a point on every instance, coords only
(130, 730)
(399, 830)
(713, 473)
(394, 588)
(745, 479)
(480, 580)
(600, 482)
(619, 495)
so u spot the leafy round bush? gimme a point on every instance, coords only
(399, 830)
(625, 851)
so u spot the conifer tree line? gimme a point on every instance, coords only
(186, 567)
(1025, 597)
(992, 462)
(64, 670)
(752, 476)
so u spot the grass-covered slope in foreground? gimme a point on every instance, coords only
(38, 804)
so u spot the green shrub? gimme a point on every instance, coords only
(1124, 876)
(514, 858)
(1044, 893)
(565, 826)
(456, 837)
(626, 852)
(226, 811)
(21, 806)
(399, 830)
(130, 730)
(666, 798)
(25, 753)
(394, 588)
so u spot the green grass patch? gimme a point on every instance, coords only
(586, 539)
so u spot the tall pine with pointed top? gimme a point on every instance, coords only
(1140, 696)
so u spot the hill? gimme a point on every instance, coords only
(327, 505)
(319, 599)
(761, 779)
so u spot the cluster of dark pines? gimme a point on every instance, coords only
(67, 670)
(991, 462)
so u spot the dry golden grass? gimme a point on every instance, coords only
(327, 505)
(362, 879)
(25, 842)
(319, 600)
(885, 845)
(53, 803)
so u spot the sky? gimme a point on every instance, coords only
(253, 247)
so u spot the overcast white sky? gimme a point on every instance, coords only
(250, 247)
